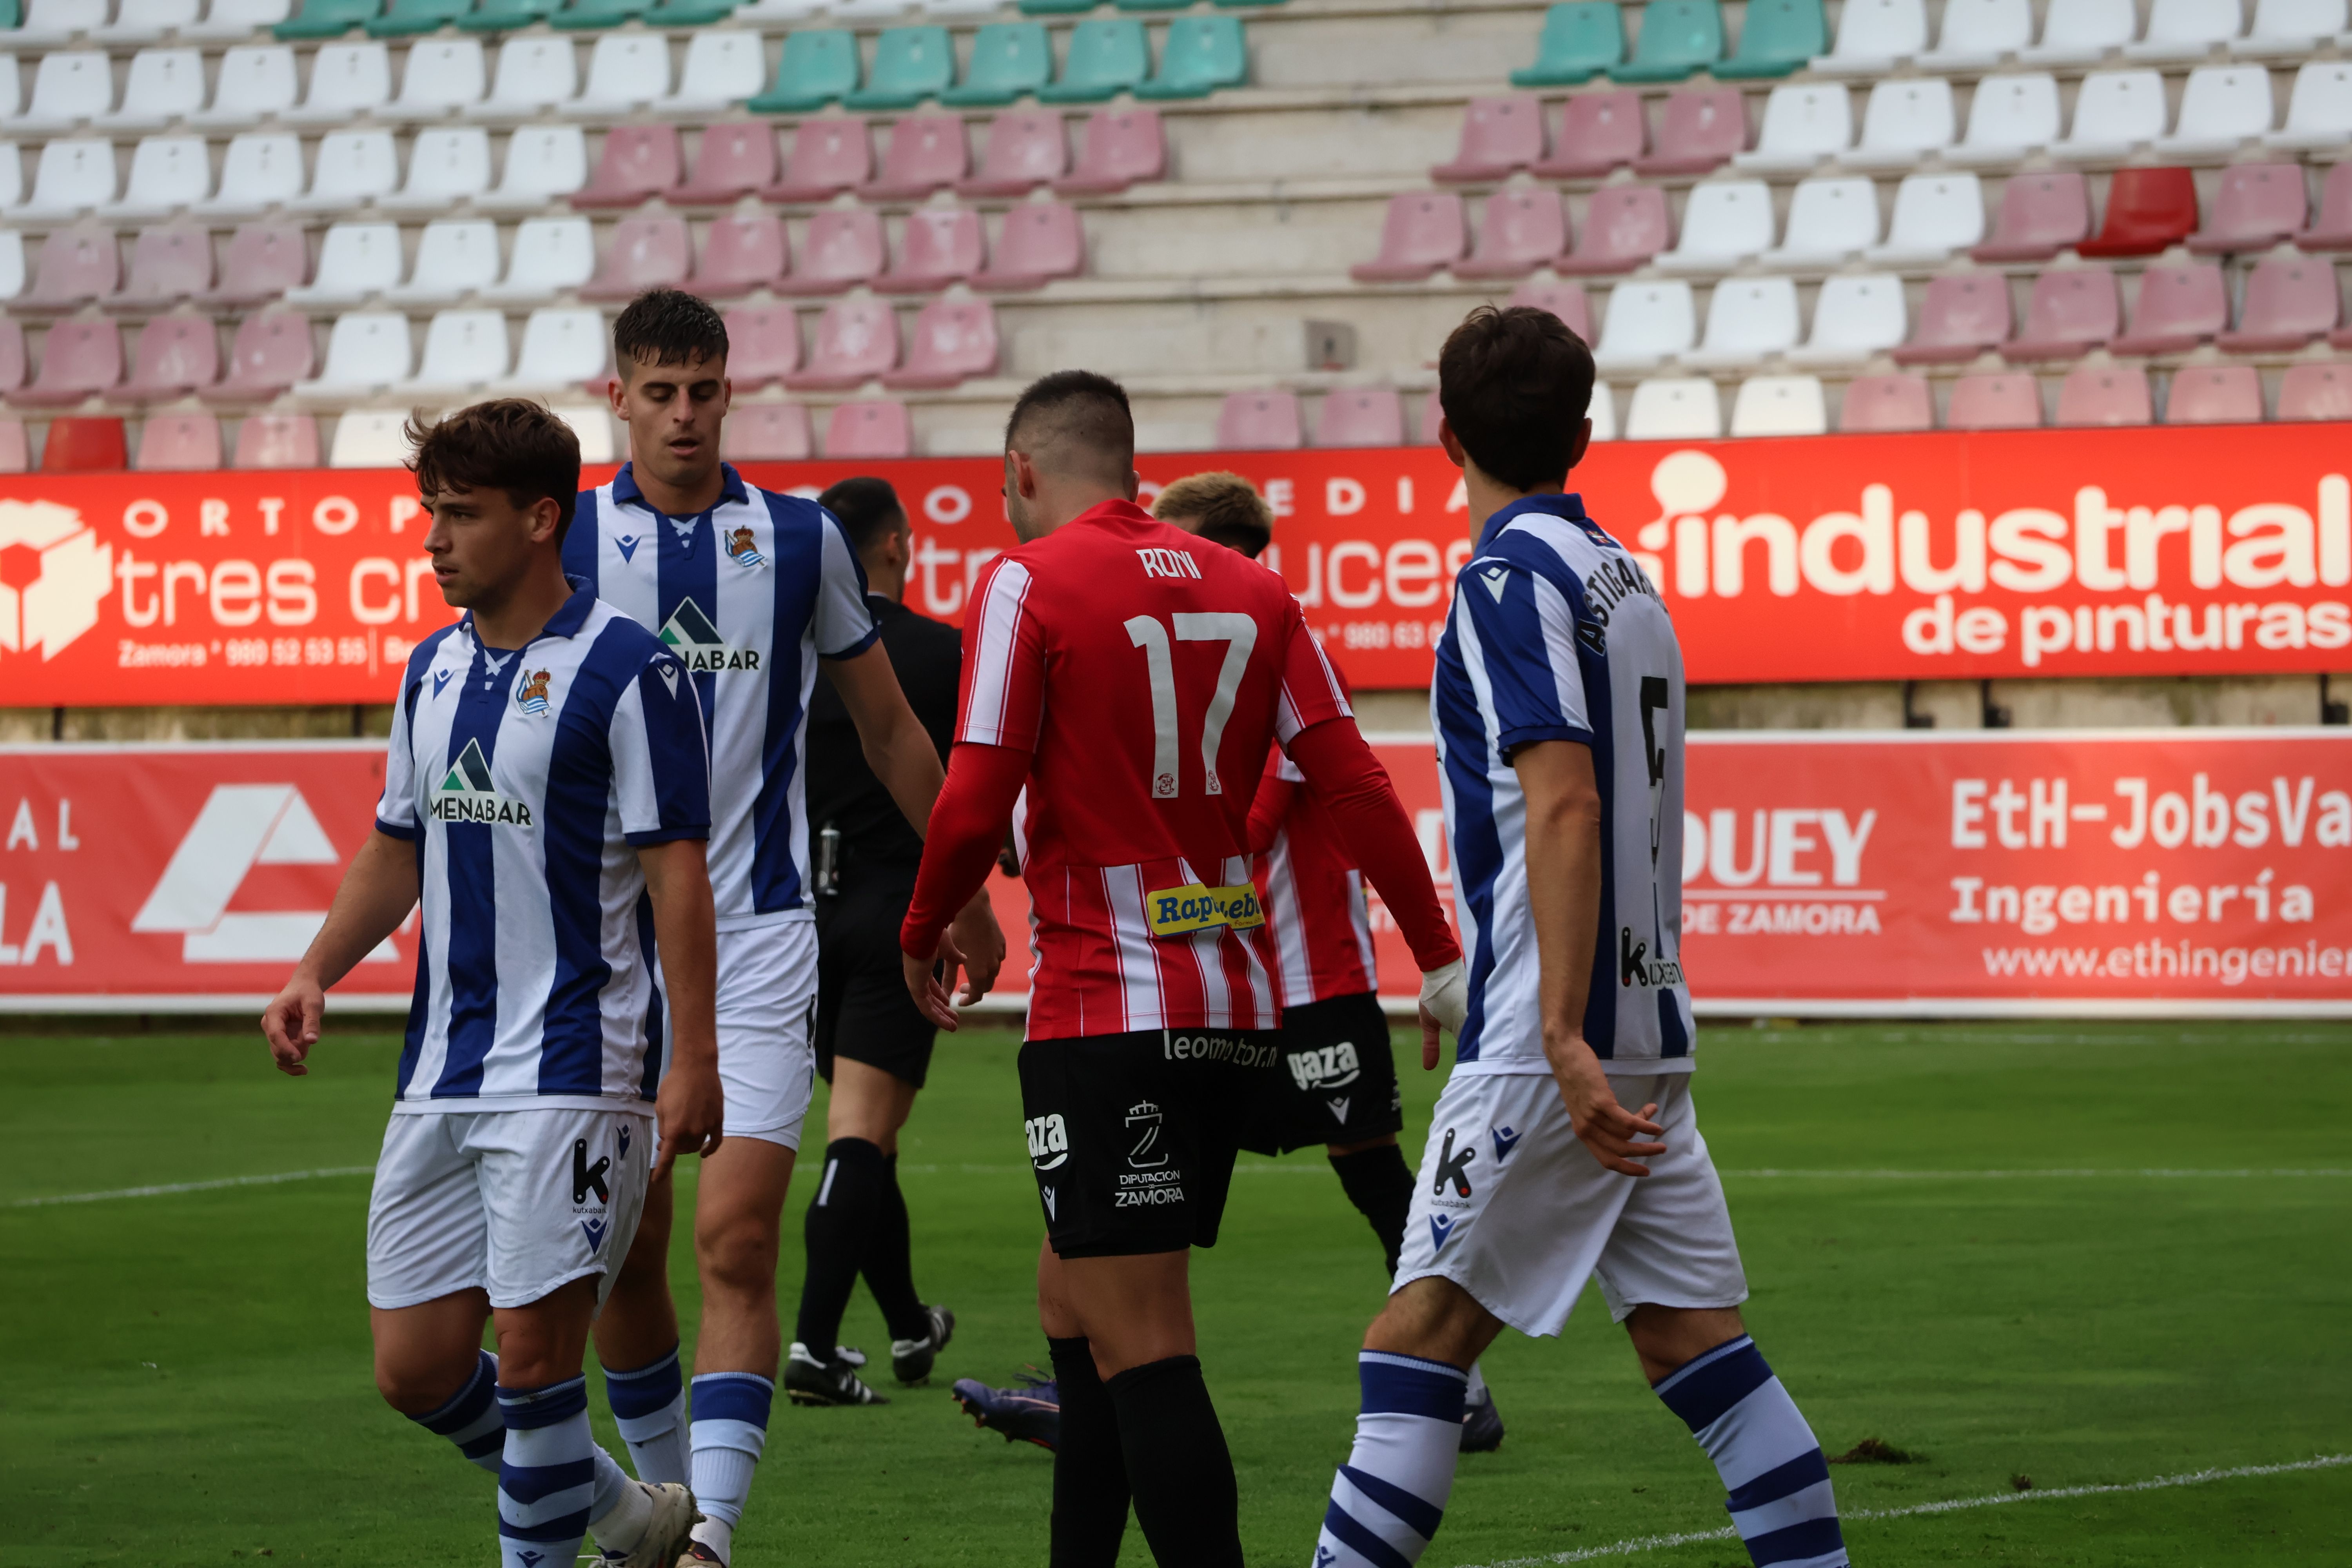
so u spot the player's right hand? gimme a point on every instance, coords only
(290, 1024)
(931, 982)
(690, 1110)
(1611, 1133)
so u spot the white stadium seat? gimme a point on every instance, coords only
(233, 21)
(72, 87)
(2221, 108)
(1674, 409)
(463, 350)
(1750, 319)
(355, 260)
(1803, 123)
(2286, 28)
(352, 168)
(144, 21)
(2009, 117)
(1904, 122)
(455, 257)
(369, 439)
(544, 162)
(1779, 406)
(2186, 29)
(442, 76)
(593, 423)
(1724, 222)
(2077, 32)
(55, 21)
(625, 71)
(261, 169)
(12, 180)
(1647, 322)
(252, 81)
(446, 165)
(1934, 216)
(564, 347)
(346, 80)
(161, 86)
(1828, 220)
(534, 74)
(550, 255)
(1854, 316)
(12, 93)
(12, 264)
(366, 351)
(1873, 35)
(167, 172)
(2319, 108)
(2114, 112)
(1978, 33)
(73, 176)
(723, 66)
(1603, 412)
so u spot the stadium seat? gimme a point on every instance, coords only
(1804, 122)
(2180, 30)
(347, 81)
(12, 262)
(1962, 316)
(2214, 395)
(1039, 242)
(844, 248)
(551, 255)
(2318, 109)
(2289, 28)
(1749, 319)
(1779, 406)
(55, 21)
(1522, 229)
(507, 15)
(326, 19)
(953, 341)
(1361, 416)
(2006, 401)
(1676, 38)
(857, 339)
(734, 160)
(1259, 422)
(565, 348)
(169, 442)
(2147, 210)
(464, 350)
(446, 166)
(2114, 112)
(77, 266)
(79, 359)
(625, 71)
(910, 64)
(12, 356)
(414, 18)
(144, 21)
(1026, 148)
(1599, 131)
(2177, 307)
(1776, 37)
(263, 261)
(73, 176)
(2078, 32)
(176, 355)
(2072, 310)
(1566, 300)
(2009, 117)
(1009, 60)
(767, 433)
(2040, 215)
(646, 253)
(1645, 322)
(1855, 316)
(277, 441)
(723, 68)
(2332, 229)
(1200, 55)
(590, 15)
(355, 259)
(927, 153)
(1423, 233)
(1873, 36)
(455, 257)
(1625, 228)
(230, 20)
(2289, 300)
(351, 169)
(875, 430)
(369, 439)
(1674, 409)
(252, 81)
(639, 163)
(1829, 220)
(2096, 394)
(1887, 403)
(2220, 108)
(1977, 33)
(544, 164)
(1120, 147)
(1699, 130)
(1579, 40)
(272, 353)
(763, 344)
(2257, 205)
(167, 265)
(442, 76)
(828, 157)
(366, 350)
(534, 75)
(1033, 7)
(2317, 391)
(1498, 135)
(261, 169)
(687, 14)
(1724, 223)
(1904, 122)
(83, 446)
(939, 246)
(161, 86)
(1934, 216)
(70, 88)
(819, 67)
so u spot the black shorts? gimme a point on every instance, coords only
(1132, 1136)
(863, 1011)
(1335, 1080)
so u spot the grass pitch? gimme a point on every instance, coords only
(183, 1377)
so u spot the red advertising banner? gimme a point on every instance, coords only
(2187, 551)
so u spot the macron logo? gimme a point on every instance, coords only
(1496, 578)
(1441, 1230)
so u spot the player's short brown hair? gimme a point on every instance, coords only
(510, 444)
(1516, 385)
(668, 326)
(1223, 508)
(1075, 422)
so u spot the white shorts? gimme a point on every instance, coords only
(767, 1027)
(516, 1203)
(1516, 1211)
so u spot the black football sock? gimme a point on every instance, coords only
(839, 1222)
(1089, 1473)
(1177, 1464)
(888, 1262)
(1380, 1183)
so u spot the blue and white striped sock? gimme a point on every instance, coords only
(649, 1407)
(729, 1430)
(547, 1486)
(471, 1418)
(1389, 1498)
(1771, 1464)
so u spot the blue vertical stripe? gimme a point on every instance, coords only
(1477, 846)
(584, 543)
(1601, 1002)
(655, 1001)
(798, 575)
(689, 570)
(472, 959)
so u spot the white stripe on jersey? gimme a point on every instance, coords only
(1141, 997)
(1289, 924)
(992, 661)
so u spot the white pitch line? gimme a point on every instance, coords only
(171, 1187)
(1949, 1505)
(1257, 1168)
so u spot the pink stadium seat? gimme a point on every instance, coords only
(938, 246)
(1566, 300)
(954, 341)
(1121, 147)
(271, 352)
(741, 253)
(734, 160)
(1961, 317)
(1258, 422)
(2179, 308)
(1432, 411)
(2093, 394)
(12, 357)
(2289, 300)
(2010, 402)
(1623, 228)
(2332, 230)
(1423, 232)
(2147, 209)
(2321, 391)
(1599, 131)
(2072, 310)
(875, 430)
(1886, 402)
(83, 446)
(264, 261)
(2215, 395)
(1498, 135)
(647, 252)
(1701, 129)
(1026, 148)
(1040, 241)
(844, 247)
(77, 266)
(763, 344)
(2040, 215)
(1523, 228)
(857, 339)
(1361, 417)
(828, 157)
(768, 433)
(180, 441)
(277, 441)
(177, 356)
(639, 162)
(166, 264)
(16, 454)
(2258, 205)
(80, 359)
(928, 153)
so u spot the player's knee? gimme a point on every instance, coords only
(417, 1388)
(737, 1256)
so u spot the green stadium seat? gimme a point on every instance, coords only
(1057, 7)
(1108, 55)
(1779, 37)
(1678, 36)
(583, 15)
(12, 14)
(1200, 55)
(687, 13)
(506, 16)
(820, 64)
(1151, 4)
(1236, 5)
(910, 64)
(326, 18)
(1008, 59)
(407, 18)
(1581, 40)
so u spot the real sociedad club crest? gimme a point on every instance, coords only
(741, 550)
(531, 696)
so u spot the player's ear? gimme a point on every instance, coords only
(1451, 443)
(546, 515)
(1134, 484)
(618, 392)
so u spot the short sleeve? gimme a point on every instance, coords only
(661, 759)
(844, 625)
(1311, 689)
(395, 813)
(1524, 642)
(1003, 661)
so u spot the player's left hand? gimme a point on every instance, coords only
(1444, 1004)
(290, 1024)
(931, 981)
(690, 1109)
(981, 942)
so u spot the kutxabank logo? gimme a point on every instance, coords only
(241, 826)
(468, 794)
(54, 575)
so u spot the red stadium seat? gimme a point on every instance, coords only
(874, 430)
(2289, 300)
(12, 357)
(277, 441)
(2040, 215)
(15, 456)
(1121, 147)
(77, 266)
(2258, 205)
(2010, 402)
(2179, 308)
(763, 344)
(2332, 230)
(1623, 228)
(1258, 422)
(1361, 416)
(177, 356)
(1566, 300)
(1962, 316)
(1026, 148)
(2094, 395)
(857, 340)
(1498, 135)
(768, 433)
(1701, 129)
(954, 341)
(179, 441)
(167, 265)
(2215, 395)
(734, 160)
(264, 261)
(938, 246)
(83, 446)
(2147, 209)
(742, 252)
(1423, 232)
(1599, 131)
(271, 352)
(1040, 241)
(828, 157)
(844, 247)
(639, 162)
(928, 153)
(80, 359)
(2072, 310)
(2315, 392)
(1523, 228)
(1886, 402)
(646, 253)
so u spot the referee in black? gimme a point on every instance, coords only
(872, 1044)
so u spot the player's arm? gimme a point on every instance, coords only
(1563, 839)
(983, 782)
(690, 1107)
(1269, 807)
(376, 895)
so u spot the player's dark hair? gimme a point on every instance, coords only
(510, 444)
(1077, 420)
(1223, 508)
(867, 509)
(1515, 385)
(668, 326)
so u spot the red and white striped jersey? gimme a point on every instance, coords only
(1147, 674)
(1313, 895)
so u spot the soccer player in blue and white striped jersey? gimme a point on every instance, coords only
(1564, 1146)
(547, 796)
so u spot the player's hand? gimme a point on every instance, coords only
(981, 942)
(1444, 1004)
(290, 1024)
(931, 981)
(1614, 1135)
(690, 1109)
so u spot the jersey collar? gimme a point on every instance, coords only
(569, 617)
(1115, 514)
(731, 488)
(1566, 504)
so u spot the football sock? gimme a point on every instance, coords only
(1769, 1459)
(649, 1407)
(1379, 1183)
(1476, 1392)
(547, 1484)
(729, 1430)
(888, 1263)
(1178, 1468)
(1388, 1498)
(1089, 1471)
(620, 1510)
(471, 1418)
(837, 1229)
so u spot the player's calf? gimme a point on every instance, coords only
(1781, 1498)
